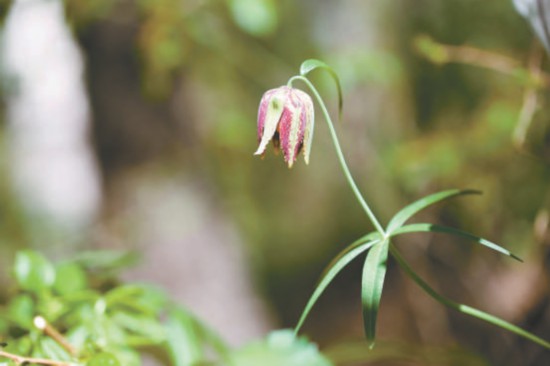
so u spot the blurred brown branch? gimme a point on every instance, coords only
(20, 360)
(440, 53)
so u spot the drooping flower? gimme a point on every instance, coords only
(285, 116)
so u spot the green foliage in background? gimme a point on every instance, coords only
(76, 312)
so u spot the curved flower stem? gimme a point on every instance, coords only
(339, 153)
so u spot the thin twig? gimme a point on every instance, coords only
(530, 99)
(49, 330)
(443, 53)
(20, 360)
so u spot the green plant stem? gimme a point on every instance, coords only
(340, 154)
(464, 308)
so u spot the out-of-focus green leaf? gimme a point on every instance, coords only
(33, 272)
(342, 260)
(256, 17)
(188, 339)
(127, 356)
(140, 298)
(103, 359)
(184, 343)
(122, 294)
(22, 346)
(281, 347)
(374, 272)
(51, 307)
(50, 349)
(408, 211)
(21, 311)
(106, 260)
(139, 324)
(312, 64)
(78, 336)
(424, 227)
(70, 278)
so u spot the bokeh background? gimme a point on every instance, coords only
(131, 125)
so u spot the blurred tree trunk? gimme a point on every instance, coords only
(155, 199)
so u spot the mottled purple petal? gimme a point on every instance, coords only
(269, 114)
(285, 115)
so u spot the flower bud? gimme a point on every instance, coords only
(285, 116)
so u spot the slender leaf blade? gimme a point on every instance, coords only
(464, 308)
(408, 211)
(312, 64)
(331, 272)
(362, 240)
(434, 228)
(374, 272)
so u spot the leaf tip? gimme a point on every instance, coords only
(516, 258)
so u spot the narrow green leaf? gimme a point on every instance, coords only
(343, 259)
(464, 308)
(374, 272)
(422, 227)
(372, 236)
(408, 211)
(312, 64)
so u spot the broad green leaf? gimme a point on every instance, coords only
(281, 347)
(422, 227)
(52, 350)
(184, 343)
(33, 271)
(256, 17)
(23, 345)
(103, 359)
(122, 294)
(139, 324)
(464, 308)
(69, 278)
(51, 307)
(187, 339)
(408, 211)
(141, 298)
(342, 260)
(106, 260)
(312, 64)
(126, 356)
(21, 311)
(77, 336)
(374, 272)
